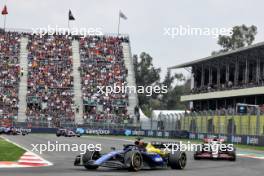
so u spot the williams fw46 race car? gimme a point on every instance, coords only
(214, 148)
(66, 133)
(133, 157)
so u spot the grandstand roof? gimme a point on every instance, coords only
(191, 63)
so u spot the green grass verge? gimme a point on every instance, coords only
(9, 151)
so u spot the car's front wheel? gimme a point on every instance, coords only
(133, 160)
(88, 156)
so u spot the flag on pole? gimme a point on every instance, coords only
(71, 17)
(122, 15)
(4, 11)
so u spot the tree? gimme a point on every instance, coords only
(171, 100)
(168, 80)
(145, 72)
(146, 75)
(241, 36)
(179, 78)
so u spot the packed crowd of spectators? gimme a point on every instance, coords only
(102, 64)
(227, 86)
(9, 74)
(50, 80)
(229, 110)
(50, 83)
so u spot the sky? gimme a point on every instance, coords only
(146, 23)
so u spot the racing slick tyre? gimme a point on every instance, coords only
(198, 151)
(195, 157)
(177, 160)
(133, 160)
(233, 156)
(90, 155)
(58, 134)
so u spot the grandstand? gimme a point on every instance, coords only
(9, 75)
(102, 64)
(219, 83)
(52, 80)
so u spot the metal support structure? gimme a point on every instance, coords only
(246, 72)
(258, 70)
(236, 72)
(227, 72)
(210, 75)
(233, 124)
(225, 120)
(201, 122)
(194, 81)
(218, 75)
(202, 79)
(258, 122)
(219, 124)
(262, 69)
(206, 123)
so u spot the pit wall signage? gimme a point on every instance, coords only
(237, 139)
(252, 140)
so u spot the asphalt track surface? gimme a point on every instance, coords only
(63, 161)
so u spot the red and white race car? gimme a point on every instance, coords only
(215, 148)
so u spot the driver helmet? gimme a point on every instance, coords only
(215, 138)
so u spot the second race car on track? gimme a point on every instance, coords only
(214, 148)
(133, 157)
(66, 133)
(13, 131)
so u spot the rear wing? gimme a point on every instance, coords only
(163, 144)
(208, 140)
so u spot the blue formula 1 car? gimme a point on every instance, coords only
(133, 157)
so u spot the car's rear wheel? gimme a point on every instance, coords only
(178, 160)
(133, 160)
(195, 157)
(88, 156)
